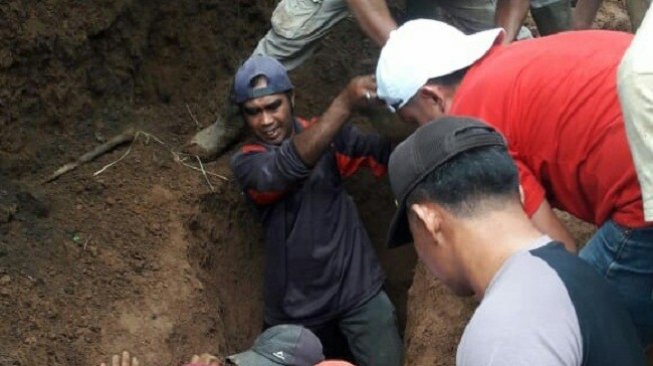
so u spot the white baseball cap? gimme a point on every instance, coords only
(423, 49)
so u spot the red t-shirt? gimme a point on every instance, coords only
(555, 100)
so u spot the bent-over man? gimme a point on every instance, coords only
(457, 190)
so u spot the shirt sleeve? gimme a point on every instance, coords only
(266, 175)
(355, 150)
(533, 191)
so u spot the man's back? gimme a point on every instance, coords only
(547, 307)
(555, 100)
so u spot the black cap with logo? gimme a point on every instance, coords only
(430, 146)
(286, 344)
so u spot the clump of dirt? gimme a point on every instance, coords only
(151, 255)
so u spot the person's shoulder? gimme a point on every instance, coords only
(527, 294)
(247, 149)
(526, 318)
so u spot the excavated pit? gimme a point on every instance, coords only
(147, 256)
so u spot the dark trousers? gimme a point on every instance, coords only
(366, 335)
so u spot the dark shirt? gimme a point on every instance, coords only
(319, 259)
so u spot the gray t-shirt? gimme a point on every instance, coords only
(548, 307)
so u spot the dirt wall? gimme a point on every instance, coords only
(151, 255)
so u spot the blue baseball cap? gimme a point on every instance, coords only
(255, 66)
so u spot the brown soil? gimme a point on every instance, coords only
(147, 256)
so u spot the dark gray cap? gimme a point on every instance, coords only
(255, 66)
(290, 345)
(425, 150)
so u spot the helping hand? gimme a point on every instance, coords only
(361, 92)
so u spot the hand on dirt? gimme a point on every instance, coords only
(206, 359)
(361, 92)
(125, 360)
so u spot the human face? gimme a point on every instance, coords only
(269, 117)
(435, 249)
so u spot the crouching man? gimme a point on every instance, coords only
(458, 194)
(321, 270)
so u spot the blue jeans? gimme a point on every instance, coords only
(624, 257)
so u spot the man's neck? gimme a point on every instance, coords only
(489, 240)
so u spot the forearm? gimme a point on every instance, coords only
(510, 15)
(547, 222)
(374, 18)
(311, 143)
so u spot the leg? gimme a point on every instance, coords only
(297, 26)
(334, 343)
(584, 13)
(371, 330)
(551, 16)
(624, 257)
(635, 85)
(416, 9)
(636, 11)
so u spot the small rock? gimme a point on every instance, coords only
(5, 280)
(99, 137)
(93, 250)
(110, 201)
(4, 292)
(7, 213)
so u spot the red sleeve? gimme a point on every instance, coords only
(266, 175)
(355, 150)
(533, 191)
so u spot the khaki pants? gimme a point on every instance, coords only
(297, 25)
(635, 85)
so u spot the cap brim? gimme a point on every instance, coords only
(399, 233)
(250, 357)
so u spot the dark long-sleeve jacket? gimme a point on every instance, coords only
(319, 259)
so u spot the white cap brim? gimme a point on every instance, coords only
(424, 49)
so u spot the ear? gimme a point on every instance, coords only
(428, 216)
(435, 93)
(438, 94)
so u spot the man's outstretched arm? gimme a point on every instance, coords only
(374, 18)
(311, 143)
(510, 15)
(547, 222)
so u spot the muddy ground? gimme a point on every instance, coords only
(149, 256)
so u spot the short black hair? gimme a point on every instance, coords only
(450, 79)
(478, 179)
